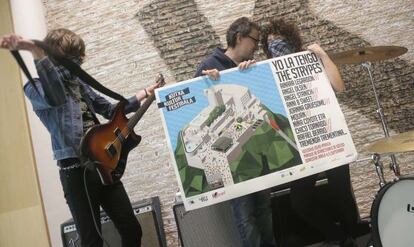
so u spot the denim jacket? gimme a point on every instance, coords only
(59, 111)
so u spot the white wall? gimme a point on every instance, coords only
(29, 22)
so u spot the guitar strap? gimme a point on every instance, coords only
(23, 66)
(75, 69)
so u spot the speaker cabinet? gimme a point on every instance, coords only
(291, 231)
(148, 213)
(215, 226)
(208, 226)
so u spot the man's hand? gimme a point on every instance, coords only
(150, 89)
(15, 42)
(245, 65)
(213, 74)
(146, 92)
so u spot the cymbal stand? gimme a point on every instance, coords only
(379, 169)
(393, 165)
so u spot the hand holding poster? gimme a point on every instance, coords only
(276, 122)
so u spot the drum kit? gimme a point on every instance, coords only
(392, 212)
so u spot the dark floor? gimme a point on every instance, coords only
(363, 241)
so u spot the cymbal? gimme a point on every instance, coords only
(403, 142)
(365, 54)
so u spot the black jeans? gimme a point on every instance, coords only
(305, 203)
(113, 199)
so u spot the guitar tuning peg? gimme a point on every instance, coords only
(160, 79)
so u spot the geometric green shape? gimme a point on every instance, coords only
(250, 161)
(197, 183)
(234, 164)
(278, 154)
(183, 172)
(264, 144)
(289, 133)
(247, 168)
(284, 153)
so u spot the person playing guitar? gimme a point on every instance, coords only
(68, 107)
(107, 145)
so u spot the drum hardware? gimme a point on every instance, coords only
(394, 166)
(379, 168)
(392, 211)
(364, 159)
(364, 55)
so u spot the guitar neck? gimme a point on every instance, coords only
(140, 112)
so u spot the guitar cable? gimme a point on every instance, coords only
(90, 203)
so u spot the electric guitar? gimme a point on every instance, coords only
(109, 144)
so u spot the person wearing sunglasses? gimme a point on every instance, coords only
(252, 213)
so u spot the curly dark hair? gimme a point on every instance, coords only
(281, 27)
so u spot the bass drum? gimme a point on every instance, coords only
(392, 214)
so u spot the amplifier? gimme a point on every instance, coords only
(205, 227)
(148, 213)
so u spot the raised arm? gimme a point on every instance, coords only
(331, 70)
(49, 84)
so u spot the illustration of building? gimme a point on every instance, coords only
(216, 135)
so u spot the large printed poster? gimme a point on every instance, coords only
(275, 122)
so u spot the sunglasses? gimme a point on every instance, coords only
(254, 39)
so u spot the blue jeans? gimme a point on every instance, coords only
(253, 216)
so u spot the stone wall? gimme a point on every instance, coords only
(130, 41)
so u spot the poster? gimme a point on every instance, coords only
(276, 122)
